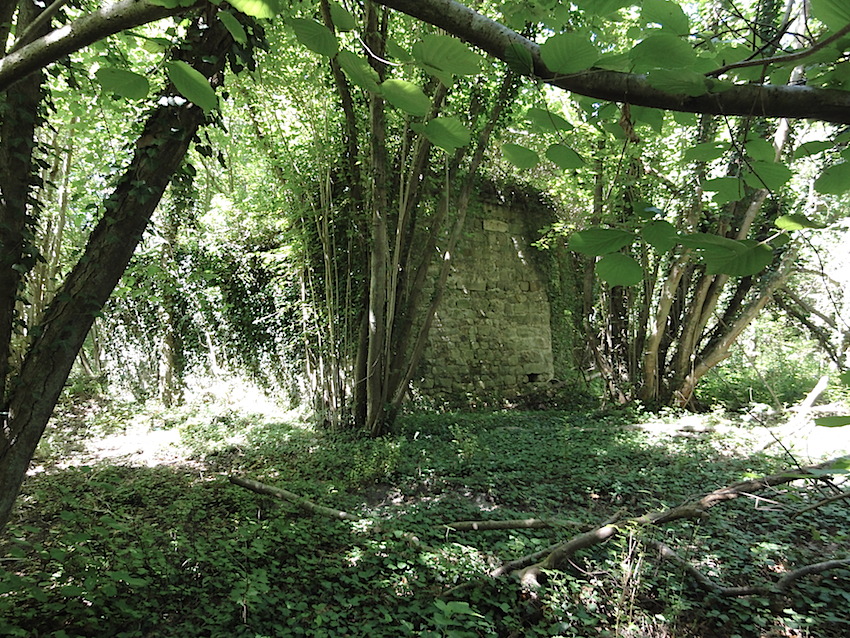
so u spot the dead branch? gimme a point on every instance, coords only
(560, 556)
(780, 586)
(823, 502)
(519, 523)
(286, 495)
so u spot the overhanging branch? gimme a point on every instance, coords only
(799, 102)
(108, 20)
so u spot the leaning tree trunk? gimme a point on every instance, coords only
(159, 152)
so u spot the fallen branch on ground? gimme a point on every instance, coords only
(779, 587)
(562, 554)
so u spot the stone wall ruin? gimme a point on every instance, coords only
(492, 337)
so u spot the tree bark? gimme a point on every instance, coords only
(159, 151)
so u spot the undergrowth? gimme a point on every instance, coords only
(165, 551)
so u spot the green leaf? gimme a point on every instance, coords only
(568, 53)
(395, 51)
(678, 81)
(518, 59)
(342, 19)
(833, 421)
(844, 377)
(654, 118)
(796, 221)
(192, 85)
(835, 180)
(520, 156)
(447, 54)
(603, 7)
(761, 150)
(234, 26)
(660, 234)
(406, 96)
(662, 51)
(618, 269)
(729, 256)
(835, 14)
(768, 175)
(547, 120)
(668, 14)
(564, 157)
(705, 152)
(600, 241)
(812, 148)
(726, 189)
(122, 82)
(316, 37)
(358, 71)
(446, 132)
(256, 8)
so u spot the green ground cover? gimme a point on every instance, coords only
(115, 547)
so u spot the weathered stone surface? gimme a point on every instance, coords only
(492, 334)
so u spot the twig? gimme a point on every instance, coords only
(823, 502)
(782, 59)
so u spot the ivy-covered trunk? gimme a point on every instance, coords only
(54, 343)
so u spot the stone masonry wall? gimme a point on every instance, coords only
(491, 336)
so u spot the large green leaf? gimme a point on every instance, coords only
(835, 14)
(833, 421)
(760, 149)
(618, 269)
(519, 59)
(234, 26)
(812, 148)
(666, 13)
(447, 54)
(256, 8)
(768, 175)
(520, 156)
(192, 85)
(547, 120)
(729, 256)
(603, 7)
(406, 96)
(342, 19)
(660, 234)
(835, 180)
(568, 52)
(122, 82)
(726, 189)
(358, 70)
(678, 81)
(662, 51)
(316, 37)
(446, 132)
(564, 157)
(795, 221)
(600, 241)
(705, 152)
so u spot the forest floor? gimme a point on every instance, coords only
(129, 526)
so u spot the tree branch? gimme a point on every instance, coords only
(782, 59)
(90, 28)
(827, 105)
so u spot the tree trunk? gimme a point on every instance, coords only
(159, 151)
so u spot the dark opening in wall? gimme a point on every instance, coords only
(533, 377)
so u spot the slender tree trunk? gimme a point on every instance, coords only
(159, 151)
